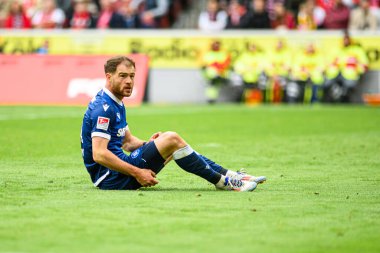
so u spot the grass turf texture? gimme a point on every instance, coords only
(322, 193)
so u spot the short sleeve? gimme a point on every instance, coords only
(102, 122)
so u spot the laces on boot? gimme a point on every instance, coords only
(234, 182)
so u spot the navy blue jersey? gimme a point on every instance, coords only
(105, 117)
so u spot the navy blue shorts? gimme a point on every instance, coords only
(147, 157)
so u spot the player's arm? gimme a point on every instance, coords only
(131, 142)
(103, 156)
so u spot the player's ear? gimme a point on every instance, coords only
(108, 76)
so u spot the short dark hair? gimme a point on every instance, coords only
(112, 63)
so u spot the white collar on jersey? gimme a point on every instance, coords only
(109, 93)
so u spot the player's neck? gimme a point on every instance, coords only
(114, 97)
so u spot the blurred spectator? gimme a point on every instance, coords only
(65, 5)
(260, 17)
(278, 69)
(305, 17)
(31, 7)
(238, 16)
(215, 69)
(307, 73)
(326, 4)
(282, 18)
(270, 7)
(350, 3)
(152, 13)
(129, 17)
(337, 17)
(375, 9)
(176, 7)
(16, 16)
(81, 17)
(108, 17)
(223, 4)
(344, 71)
(96, 4)
(3, 11)
(48, 16)
(214, 18)
(319, 14)
(361, 18)
(249, 67)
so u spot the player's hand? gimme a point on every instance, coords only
(146, 178)
(155, 136)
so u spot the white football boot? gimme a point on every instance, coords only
(242, 175)
(233, 183)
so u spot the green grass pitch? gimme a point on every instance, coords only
(322, 193)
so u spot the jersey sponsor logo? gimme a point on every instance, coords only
(121, 132)
(105, 107)
(103, 123)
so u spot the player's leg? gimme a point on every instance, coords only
(147, 156)
(314, 93)
(167, 153)
(225, 172)
(170, 144)
(230, 173)
(151, 157)
(118, 181)
(348, 88)
(214, 166)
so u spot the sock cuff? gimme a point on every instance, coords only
(182, 152)
(230, 173)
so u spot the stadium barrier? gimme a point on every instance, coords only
(174, 48)
(175, 55)
(63, 80)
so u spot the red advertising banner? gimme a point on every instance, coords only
(61, 80)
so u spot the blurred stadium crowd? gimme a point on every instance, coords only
(87, 14)
(212, 14)
(306, 75)
(291, 14)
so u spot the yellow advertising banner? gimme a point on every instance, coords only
(172, 51)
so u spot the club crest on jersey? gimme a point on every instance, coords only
(118, 115)
(135, 153)
(103, 123)
(105, 107)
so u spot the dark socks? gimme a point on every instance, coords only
(214, 166)
(191, 162)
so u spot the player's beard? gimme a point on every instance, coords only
(127, 92)
(124, 91)
(120, 90)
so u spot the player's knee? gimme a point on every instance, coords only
(174, 139)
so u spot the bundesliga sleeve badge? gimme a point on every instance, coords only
(103, 123)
